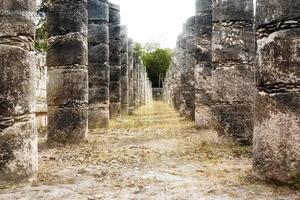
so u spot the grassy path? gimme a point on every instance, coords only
(154, 154)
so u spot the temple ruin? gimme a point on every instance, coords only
(234, 71)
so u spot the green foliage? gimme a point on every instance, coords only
(139, 49)
(41, 43)
(157, 64)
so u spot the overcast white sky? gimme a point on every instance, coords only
(155, 20)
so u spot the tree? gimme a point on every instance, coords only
(157, 63)
(41, 43)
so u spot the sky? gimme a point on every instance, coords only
(155, 20)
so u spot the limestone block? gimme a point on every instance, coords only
(98, 53)
(234, 84)
(232, 10)
(114, 14)
(115, 92)
(98, 10)
(233, 41)
(67, 125)
(277, 137)
(18, 147)
(203, 6)
(67, 16)
(98, 94)
(235, 120)
(68, 51)
(203, 24)
(68, 88)
(17, 82)
(285, 10)
(115, 110)
(98, 33)
(115, 32)
(98, 118)
(115, 73)
(204, 117)
(98, 75)
(278, 57)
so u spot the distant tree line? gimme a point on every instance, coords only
(156, 60)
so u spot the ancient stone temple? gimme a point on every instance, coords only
(67, 61)
(233, 75)
(98, 40)
(124, 71)
(18, 135)
(277, 114)
(115, 60)
(203, 68)
(130, 77)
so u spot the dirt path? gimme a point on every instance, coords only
(154, 154)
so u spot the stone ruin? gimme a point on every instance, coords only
(89, 73)
(99, 69)
(245, 84)
(276, 136)
(230, 72)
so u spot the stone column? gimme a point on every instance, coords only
(176, 83)
(41, 107)
(189, 68)
(115, 60)
(182, 65)
(98, 40)
(124, 71)
(67, 61)
(203, 68)
(277, 114)
(136, 68)
(18, 136)
(130, 75)
(233, 75)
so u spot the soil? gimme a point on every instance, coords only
(153, 154)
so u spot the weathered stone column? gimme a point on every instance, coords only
(41, 106)
(18, 136)
(115, 60)
(98, 40)
(67, 61)
(233, 74)
(277, 113)
(182, 66)
(136, 68)
(130, 75)
(124, 71)
(203, 68)
(189, 69)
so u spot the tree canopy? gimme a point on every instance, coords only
(157, 63)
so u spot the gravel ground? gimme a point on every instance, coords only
(154, 154)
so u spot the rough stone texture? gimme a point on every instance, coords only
(172, 83)
(130, 77)
(41, 107)
(124, 71)
(18, 135)
(98, 41)
(233, 73)
(67, 60)
(203, 69)
(188, 69)
(115, 45)
(277, 113)
(136, 69)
